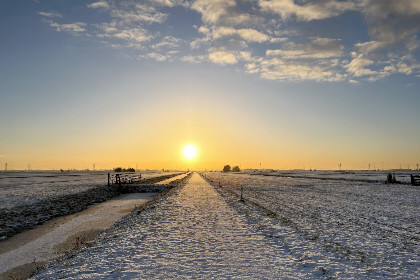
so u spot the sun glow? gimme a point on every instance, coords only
(190, 151)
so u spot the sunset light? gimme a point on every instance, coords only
(190, 152)
(210, 139)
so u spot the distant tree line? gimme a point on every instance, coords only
(120, 169)
(227, 168)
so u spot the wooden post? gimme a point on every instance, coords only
(108, 178)
(242, 193)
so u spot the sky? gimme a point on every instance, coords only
(280, 84)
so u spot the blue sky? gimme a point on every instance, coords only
(319, 82)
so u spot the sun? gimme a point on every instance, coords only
(190, 151)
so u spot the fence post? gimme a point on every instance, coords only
(242, 193)
(108, 178)
(118, 179)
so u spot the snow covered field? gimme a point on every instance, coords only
(26, 187)
(287, 228)
(375, 226)
(28, 198)
(369, 176)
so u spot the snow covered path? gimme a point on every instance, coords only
(191, 234)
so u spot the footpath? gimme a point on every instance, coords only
(192, 233)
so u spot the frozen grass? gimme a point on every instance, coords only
(27, 187)
(372, 225)
(287, 228)
(29, 198)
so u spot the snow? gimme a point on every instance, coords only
(294, 228)
(29, 198)
(27, 187)
(98, 217)
(373, 225)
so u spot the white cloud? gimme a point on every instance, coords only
(99, 5)
(50, 14)
(252, 35)
(212, 10)
(164, 3)
(111, 27)
(76, 27)
(233, 18)
(157, 57)
(204, 29)
(134, 13)
(229, 27)
(279, 69)
(245, 55)
(278, 40)
(247, 34)
(197, 43)
(168, 42)
(310, 11)
(222, 57)
(316, 48)
(133, 35)
(393, 27)
(358, 66)
(193, 59)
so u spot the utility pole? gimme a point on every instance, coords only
(94, 166)
(260, 165)
(417, 166)
(339, 166)
(29, 166)
(369, 166)
(5, 166)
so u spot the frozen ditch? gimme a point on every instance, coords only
(29, 198)
(29, 250)
(22, 254)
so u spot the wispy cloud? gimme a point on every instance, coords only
(222, 57)
(130, 13)
(394, 29)
(248, 34)
(76, 27)
(260, 36)
(308, 10)
(193, 59)
(212, 10)
(168, 42)
(99, 5)
(316, 48)
(50, 14)
(133, 37)
(157, 56)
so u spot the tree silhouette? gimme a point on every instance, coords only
(226, 168)
(236, 169)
